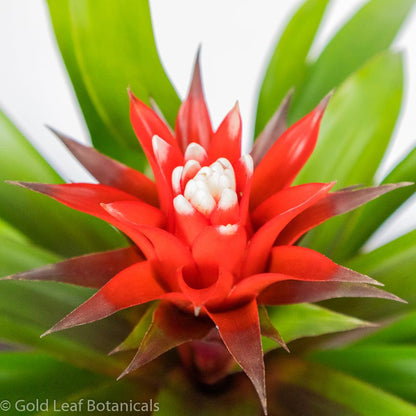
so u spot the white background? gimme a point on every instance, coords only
(237, 36)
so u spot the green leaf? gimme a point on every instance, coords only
(287, 66)
(36, 378)
(301, 388)
(17, 253)
(365, 221)
(358, 123)
(306, 320)
(401, 331)
(46, 222)
(390, 367)
(109, 49)
(355, 132)
(350, 48)
(135, 337)
(61, 347)
(28, 309)
(180, 396)
(393, 264)
(61, 21)
(31, 376)
(123, 398)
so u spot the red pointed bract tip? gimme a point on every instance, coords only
(212, 236)
(273, 130)
(193, 123)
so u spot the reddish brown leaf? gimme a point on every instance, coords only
(91, 270)
(193, 123)
(332, 204)
(288, 292)
(170, 328)
(110, 172)
(276, 126)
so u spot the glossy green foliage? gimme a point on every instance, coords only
(28, 378)
(393, 264)
(310, 389)
(390, 367)
(306, 320)
(364, 222)
(288, 66)
(107, 49)
(47, 223)
(354, 135)
(350, 48)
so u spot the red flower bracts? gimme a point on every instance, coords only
(214, 238)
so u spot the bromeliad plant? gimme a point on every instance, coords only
(219, 235)
(214, 238)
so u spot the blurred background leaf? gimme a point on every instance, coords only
(393, 264)
(31, 377)
(288, 65)
(351, 47)
(390, 367)
(45, 222)
(355, 132)
(365, 221)
(306, 320)
(107, 49)
(358, 124)
(302, 388)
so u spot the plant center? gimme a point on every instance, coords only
(204, 187)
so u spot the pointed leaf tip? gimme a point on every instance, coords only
(48, 332)
(241, 334)
(33, 186)
(325, 101)
(275, 127)
(123, 374)
(196, 83)
(269, 330)
(53, 130)
(66, 140)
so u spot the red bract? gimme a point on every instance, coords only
(214, 238)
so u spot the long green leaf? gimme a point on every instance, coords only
(46, 222)
(400, 331)
(61, 21)
(17, 253)
(55, 387)
(365, 221)
(369, 32)
(393, 264)
(121, 397)
(62, 347)
(358, 123)
(306, 320)
(27, 309)
(31, 376)
(355, 133)
(110, 49)
(287, 66)
(308, 389)
(390, 367)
